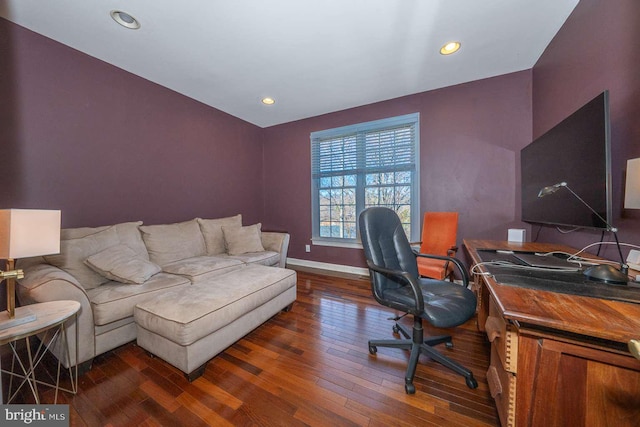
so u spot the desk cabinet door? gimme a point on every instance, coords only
(562, 384)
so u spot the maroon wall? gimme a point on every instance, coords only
(469, 138)
(105, 146)
(598, 48)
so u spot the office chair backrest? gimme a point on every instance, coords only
(439, 232)
(386, 245)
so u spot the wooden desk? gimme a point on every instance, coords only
(557, 359)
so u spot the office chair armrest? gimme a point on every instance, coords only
(463, 271)
(415, 245)
(415, 287)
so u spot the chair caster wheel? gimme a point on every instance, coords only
(373, 349)
(471, 382)
(396, 329)
(409, 388)
(448, 344)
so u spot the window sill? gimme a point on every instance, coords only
(336, 243)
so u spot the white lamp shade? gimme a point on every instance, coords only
(29, 232)
(632, 186)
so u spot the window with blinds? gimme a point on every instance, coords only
(363, 165)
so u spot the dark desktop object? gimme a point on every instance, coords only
(551, 262)
(576, 151)
(510, 269)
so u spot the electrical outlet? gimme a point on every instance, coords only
(307, 248)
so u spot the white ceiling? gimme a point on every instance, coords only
(312, 56)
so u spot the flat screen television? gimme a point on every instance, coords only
(576, 151)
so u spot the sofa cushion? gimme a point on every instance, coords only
(80, 232)
(114, 301)
(212, 305)
(212, 232)
(199, 269)
(167, 243)
(73, 253)
(122, 264)
(128, 234)
(268, 258)
(241, 240)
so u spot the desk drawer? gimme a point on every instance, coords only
(476, 288)
(502, 385)
(503, 337)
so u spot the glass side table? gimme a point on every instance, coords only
(49, 325)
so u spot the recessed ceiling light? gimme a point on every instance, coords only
(268, 101)
(449, 48)
(125, 19)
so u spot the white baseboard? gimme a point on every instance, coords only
(358, 271)
(294, 262)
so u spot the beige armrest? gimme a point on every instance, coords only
(43, 283)
(277, 242)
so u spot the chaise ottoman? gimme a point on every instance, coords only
(189, 326)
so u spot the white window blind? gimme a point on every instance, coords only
(369, 164)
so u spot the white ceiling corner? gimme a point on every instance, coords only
(313, 57)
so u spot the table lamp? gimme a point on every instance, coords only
(24, 233)
(632, 201)
(632, 185)
(602, 272)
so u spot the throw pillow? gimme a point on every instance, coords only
(212, 232)
(73, 252)
(122, 264)
(241, 240)
(167, 243)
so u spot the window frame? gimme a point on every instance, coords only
(413, 120)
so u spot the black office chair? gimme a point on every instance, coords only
(396, 284)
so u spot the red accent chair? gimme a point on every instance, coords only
(439, 233)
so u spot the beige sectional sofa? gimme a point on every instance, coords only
(214, 278)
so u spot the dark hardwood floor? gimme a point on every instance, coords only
(309, 366)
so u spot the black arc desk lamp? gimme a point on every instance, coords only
(602, 272)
